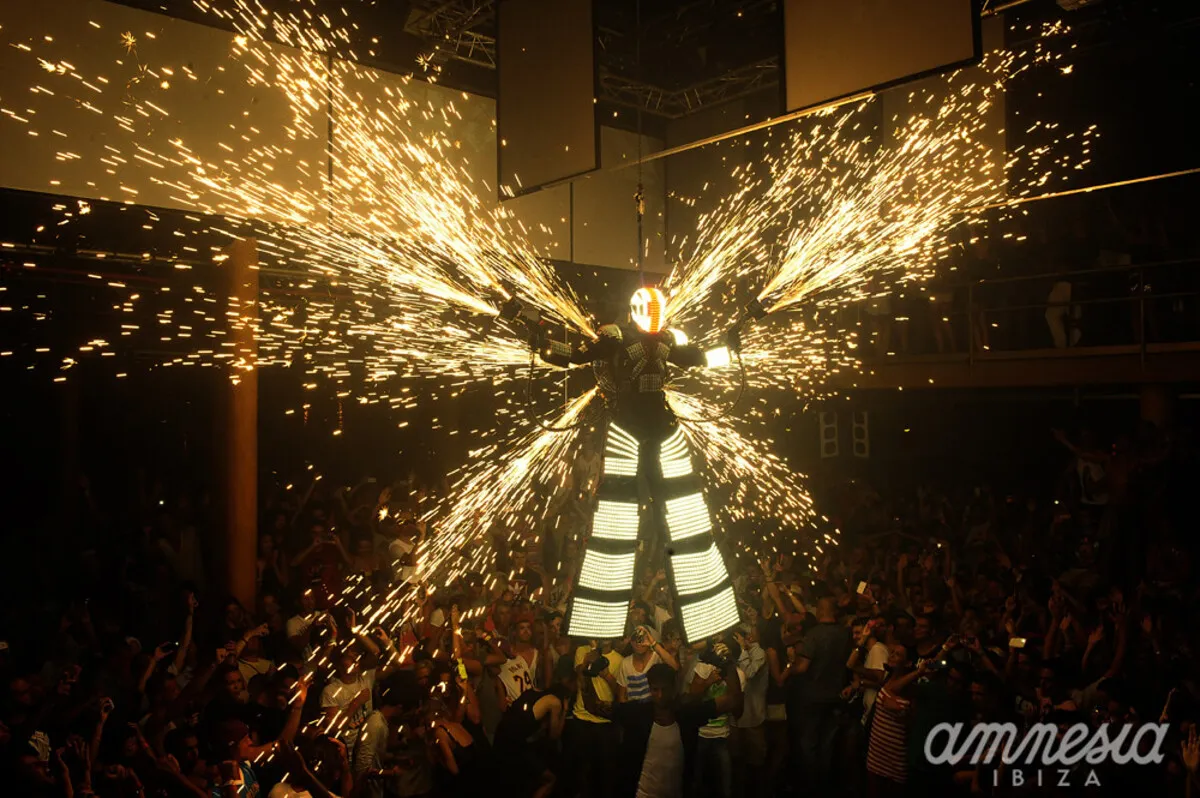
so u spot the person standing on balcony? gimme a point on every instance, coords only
(1063, 313)
(980, 264)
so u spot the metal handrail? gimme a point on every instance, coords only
(1077, 273)
(1073, 302)
(1140, 296)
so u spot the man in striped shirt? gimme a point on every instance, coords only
(632, 684)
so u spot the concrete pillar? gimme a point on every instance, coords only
(238, 542)
(1157, 405)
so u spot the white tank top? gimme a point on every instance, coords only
(517, 676)
(662, 770)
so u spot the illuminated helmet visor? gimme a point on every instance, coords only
(648, 309)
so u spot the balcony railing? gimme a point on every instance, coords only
(1143, 308)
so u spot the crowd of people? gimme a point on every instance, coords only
(133, 677)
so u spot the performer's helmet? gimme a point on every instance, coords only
(648, 309)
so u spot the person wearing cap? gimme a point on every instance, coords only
(232, 745)
(713, 764)
(527, 578)
(235, 749)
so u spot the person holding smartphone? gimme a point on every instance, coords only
(941, 695)
(231, 742)
(322, 560)
(347, 699)
(631, 676)
(251, 662)
(660, 745)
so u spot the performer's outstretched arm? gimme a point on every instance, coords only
(558, 353)
(687, 356)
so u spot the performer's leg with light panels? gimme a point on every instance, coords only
(703, 590)
(600, 600)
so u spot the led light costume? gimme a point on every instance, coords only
(649, 491)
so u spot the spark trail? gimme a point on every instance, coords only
(398, 222)
(754, 484)
(857, 213)
(391, 219)
(507, 484)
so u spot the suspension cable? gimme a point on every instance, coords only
(639, 197)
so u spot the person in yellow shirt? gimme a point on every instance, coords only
(596, 738)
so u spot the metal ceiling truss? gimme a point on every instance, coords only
(695, 19)
(741, 82)
(450, 28)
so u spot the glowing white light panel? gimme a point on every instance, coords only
(702, 619)
(675, 457)
(602, 571)
(597, 618)
(718, 358)
(687, 516)
(695, 573)
(615, 520)
(620, 453)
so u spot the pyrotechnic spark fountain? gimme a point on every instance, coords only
(797, 353)
(862, 215)
(392, 223)
(400, 221)
(760, 484)
(887, 215)
(508, 484)
(507, 478)
(401, 231)
(405, 183)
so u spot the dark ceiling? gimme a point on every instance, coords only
(665, 58)
(691, 54)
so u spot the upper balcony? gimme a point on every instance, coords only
(1126, 324)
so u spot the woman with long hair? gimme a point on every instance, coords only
(459, 754)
